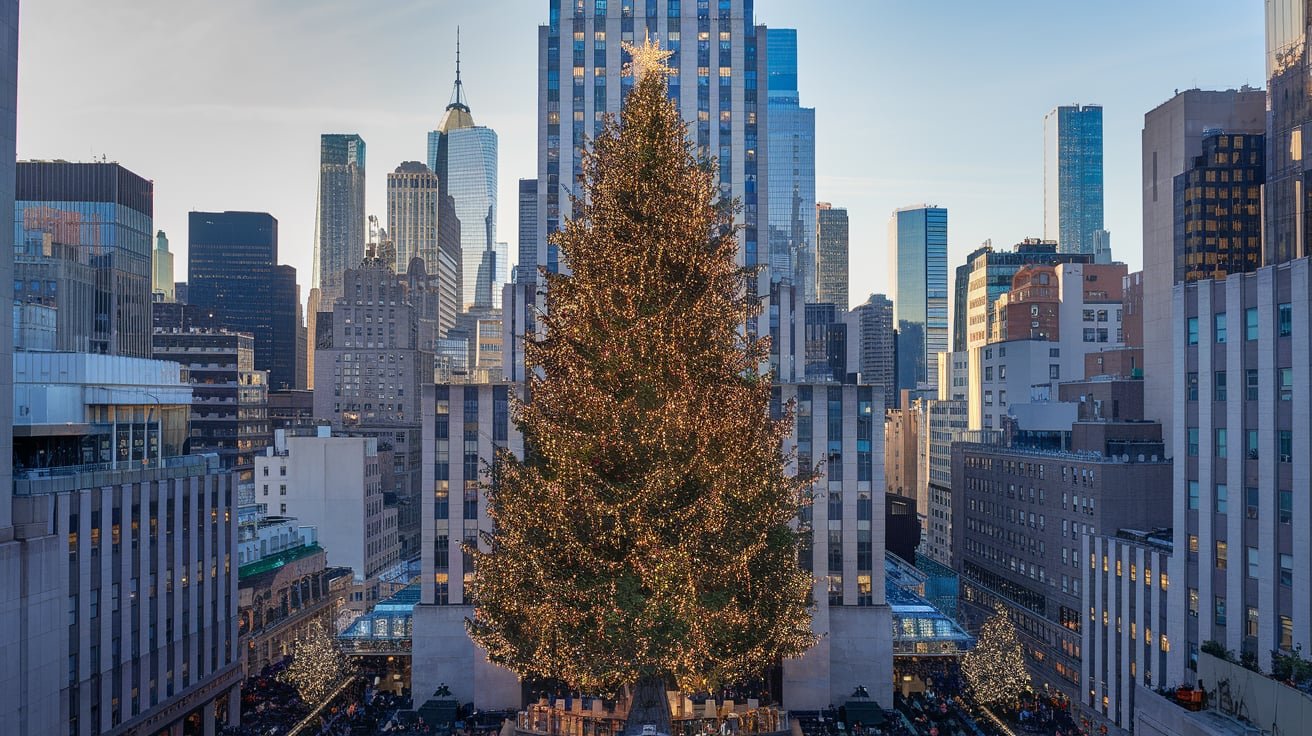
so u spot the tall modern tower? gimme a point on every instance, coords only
(162, 269)
(526, 268)
(340, 227)
(1072, 177)
(232, 269)
(412, 214)
(918, 247)
(718, 70)
(1289, 123)
(792, 226)
(831, 255)
(464, 157)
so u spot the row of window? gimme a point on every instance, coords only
(1284, 324)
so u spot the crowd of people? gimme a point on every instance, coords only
(271, 707)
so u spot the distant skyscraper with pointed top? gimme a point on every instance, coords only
(340, 223)
(464, 157)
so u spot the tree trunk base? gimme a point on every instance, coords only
(648, 706)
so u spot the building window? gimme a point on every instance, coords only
(1220, 442)
(1250, 622)
(1250, 323)
(1250, 555)
(1193, 547)
(1220, 327)
(1218, 606)
(1222, 550)
(1286, 633)
(1218, 386)
(1193, 441)
(1250, 502)
(1193, 493)
(1191, 332)
(1250, 384)
(1287, 570)
(1286, 376)
(1222, 498)
(1193, 602)
(1286, 500)
(1191, 380)
(1284, 320)
(1054, 371)
(1286, 445)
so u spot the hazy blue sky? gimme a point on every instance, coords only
(222, 103)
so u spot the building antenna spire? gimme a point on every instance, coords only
(458, 94)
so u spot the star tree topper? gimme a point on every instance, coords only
(647, 58)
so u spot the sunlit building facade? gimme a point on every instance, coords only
(1073, 177)
(918, 251)
(340, 222)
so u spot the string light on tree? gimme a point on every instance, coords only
(317, 665)
(646, 537)
(995, 668)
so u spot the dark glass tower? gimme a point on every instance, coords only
(1072, 177)
(792, 231)
(232, 270)
(1218, 209)
(919, 239)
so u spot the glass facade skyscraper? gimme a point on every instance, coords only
(340, 223)
(82, 244)
(791, 146)
(1072, 177)
(719, 62)
(1289, 122)
(464, 157)
(918, 240)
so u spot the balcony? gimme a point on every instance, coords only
(33, 481)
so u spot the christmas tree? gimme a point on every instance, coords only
(995, 668)
(646, 537)
(317, 665)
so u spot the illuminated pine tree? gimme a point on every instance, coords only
(647, 536)
(317, 665)
(995, 668)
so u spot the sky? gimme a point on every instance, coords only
(221, 104)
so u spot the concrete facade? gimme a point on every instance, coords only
(336, 485)
(1243, 450)
(1124, 640)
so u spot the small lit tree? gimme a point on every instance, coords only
(995, 668)
(317, 665)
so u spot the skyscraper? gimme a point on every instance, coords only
(876, 348)
(86, 227)
(715, 84)
(232, 270)
(1288, 123)
(918, 247)
(464, 157)
(422, 223)
(1072, 177)
(1172, 138)
(831, 255)
(792, 227)
(526, 268)
(412, 213)
(162, 269)
(340, 226)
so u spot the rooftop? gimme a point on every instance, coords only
(273, 562)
